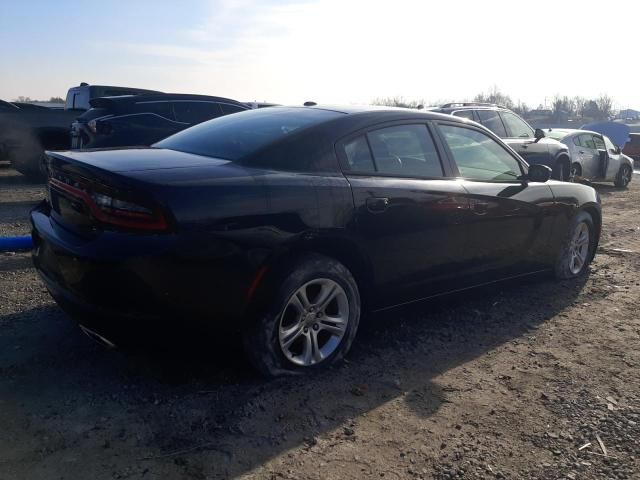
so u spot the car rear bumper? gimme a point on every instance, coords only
(114, 282)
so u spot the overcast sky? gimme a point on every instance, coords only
(330, 51)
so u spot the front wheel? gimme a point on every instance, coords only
(311, 322)
(623, 178)
(577, 249)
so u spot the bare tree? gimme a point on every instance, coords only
(398, 102)
(494, 95)
(605, 106)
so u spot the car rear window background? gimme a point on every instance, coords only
(234, 137)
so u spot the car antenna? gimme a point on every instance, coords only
(310, 104)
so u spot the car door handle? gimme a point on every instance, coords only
(377, 204)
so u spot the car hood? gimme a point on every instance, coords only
(543, 141)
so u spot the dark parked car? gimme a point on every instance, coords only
(285, 223)
(134, 120)
(518, 134)
(632, 147)
(79, 98)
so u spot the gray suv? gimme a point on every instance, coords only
(529, 143)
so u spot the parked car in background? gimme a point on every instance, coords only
(594, 156)
(260, 104)
(518, 134)
(136, 120)
(284, 223)
(632, 147)
(78, 98)
(26, 129)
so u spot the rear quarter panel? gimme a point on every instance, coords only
(571, 198)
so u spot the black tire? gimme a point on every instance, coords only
(564, 269)
(560, 171)
(575, 173)
(28, 159)
(623, 178)
(262, 339)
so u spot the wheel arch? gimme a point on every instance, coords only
(596, 215)
(340, 248)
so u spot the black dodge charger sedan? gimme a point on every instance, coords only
(286, 223)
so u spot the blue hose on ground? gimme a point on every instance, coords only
(14, 244)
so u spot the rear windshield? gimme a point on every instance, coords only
(235, 136)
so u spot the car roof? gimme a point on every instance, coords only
(387, 112)
(150, 97)
(158, 97)
(455, 106)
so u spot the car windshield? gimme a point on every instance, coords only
(235, 136)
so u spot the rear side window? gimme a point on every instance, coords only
(195, 112)
(464, 114)
(233, 137)
(517, 127)
(159, 108)
(358, 155)
(491, 120)
(228, 108)
(405, 150)
(480, 157)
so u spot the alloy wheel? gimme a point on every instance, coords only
(579, 248)
(313, 322)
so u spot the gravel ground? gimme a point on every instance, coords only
(511, 381)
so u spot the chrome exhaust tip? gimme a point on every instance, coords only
(96, 337)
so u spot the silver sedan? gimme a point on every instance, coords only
(594, 157)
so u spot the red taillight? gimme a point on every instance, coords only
(114, 211)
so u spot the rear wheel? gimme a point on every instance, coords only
(623, 178)
(577, 250)
(311, 322)
(575, 173)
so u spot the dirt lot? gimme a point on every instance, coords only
(508, 382)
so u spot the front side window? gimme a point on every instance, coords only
(609, 144)
(480, 157)
(491, 120)
(405, 150)
(599, 143)
(518, 128)
(587, 141)
(576, 141)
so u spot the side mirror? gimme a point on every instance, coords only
(538, 173)
(538, 134)
(617, 151)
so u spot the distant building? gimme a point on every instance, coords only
(628, 114)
